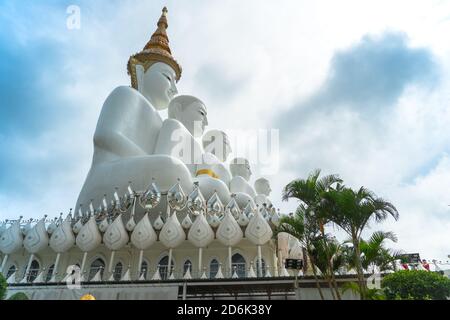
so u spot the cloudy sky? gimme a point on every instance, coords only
(357, 88)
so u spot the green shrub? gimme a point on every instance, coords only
(416, 285)
(19, 296)
(3, 286)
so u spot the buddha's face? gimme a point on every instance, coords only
(191, 112)
(157, 84)
(263, 187)
(217, 143)
(242, 170)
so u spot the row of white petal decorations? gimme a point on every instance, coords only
(204, 221)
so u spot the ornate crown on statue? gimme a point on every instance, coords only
(156, 50)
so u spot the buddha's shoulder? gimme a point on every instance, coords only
(173, 124)
(124, 96)
(239, 179)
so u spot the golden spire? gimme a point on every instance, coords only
(156, 50)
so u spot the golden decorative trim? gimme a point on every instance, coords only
(209, 172)
(156, 50)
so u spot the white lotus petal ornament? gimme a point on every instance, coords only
(37, 238)
(62, 238)
(229, 232)
(27, 227)
(143, 235)
(159, 223)
(116, 235)
(77, 226)
(200, 234)
(214, 220)
(187, 222)
(89, 237)
(11, 240)
(103, 225)
(131, 224)
(52, 227)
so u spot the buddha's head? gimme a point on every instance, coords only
(157, 84)
(217, 143)
(262, 186)
(240, 167)
(154, 71)
(191, 112)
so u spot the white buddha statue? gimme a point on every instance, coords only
(239, 185)
(212, 174)
(262, 188)
(187, 121)
(128, 127)
(216, 142)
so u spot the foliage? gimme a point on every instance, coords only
(328, 254)
(416, 285)
(374, 253)
(352, 211)
(3, 286)
(370, 294)
(305, 225)
(18, 296)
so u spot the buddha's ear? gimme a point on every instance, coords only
(140, 76)
(174, 109)
(179, 108)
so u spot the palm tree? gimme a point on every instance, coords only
(299, 227)
(375, 254)
(309, 192)
(352, 211)
(329, 256)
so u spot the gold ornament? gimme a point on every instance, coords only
(209, 172)
(156, 50)
(88, 296)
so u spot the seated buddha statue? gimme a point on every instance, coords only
(187, 121)
(212, 174)
(239, 185)
(262, 188)
(216, 143)
(128, 127)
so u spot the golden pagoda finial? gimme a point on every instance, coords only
(156, 50)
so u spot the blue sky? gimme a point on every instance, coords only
(363, 93)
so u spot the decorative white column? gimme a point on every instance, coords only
(83, 263)
(200, 264)
(260, 272)
(28, 268)
(55, 268)
(5, 258)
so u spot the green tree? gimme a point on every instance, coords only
(305, 224)
(416, 285)
(329, 256)
(352, 211)
(3, 286)
(296, 226)
(374, 253)
(18, 296)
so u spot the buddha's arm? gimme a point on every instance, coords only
(172, 140)
(235, 184)
(117, 144)
(120, 115)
